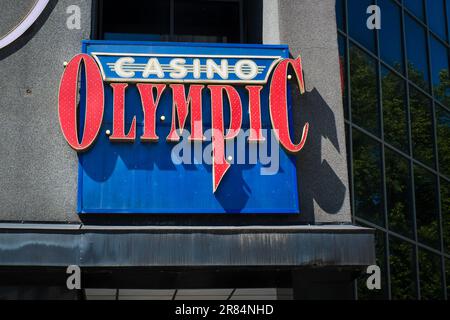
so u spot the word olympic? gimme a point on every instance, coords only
(186, 76)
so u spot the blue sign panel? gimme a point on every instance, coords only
(165, 177)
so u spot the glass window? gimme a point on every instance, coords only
(230, 21)
(380, 251)
(414, 59)
(447, 272)
(340, 16)
(343, 72)
(427, 213)
(367, 178)
(416, 47)
(422, 127)
(132, 21)
(436, 17)
(395, 121)
(364, 90)
(416, 7)
(445, 210)
(398, 192)
(443, 137)
(349, 162)
(440, 71)
(448, 19)
(357, 23)
(391, 34)
(403, 269)
(207, 21)
(430, 272)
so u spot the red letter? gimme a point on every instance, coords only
(67, 102)
(254, 94)
(181, 107)
(278, 103)
(119, 115)
(220, 165)
(149, 106)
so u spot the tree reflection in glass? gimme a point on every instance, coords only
(445, 209)
(443, 139)
(422, 127)
(380, 250)
(367, 178)
(447, 272)
(430, 275)
(364, 90)
(427, 214)
(416, 49)
(402, 268)
(398, 191)
(395, 120)
(440, 72)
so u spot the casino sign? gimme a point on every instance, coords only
(126, 89)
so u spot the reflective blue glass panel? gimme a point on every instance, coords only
(440, 71)
(395, 120)
(445, 208)
(364, 90)
(343, 72)
(427, 211)
(436, 17)
(448, 19)
(416, 7)
(357, 23)
(340, 17)
(416, 47)
(421, 109)
(391, 34)
(367, 178)
(443, 141)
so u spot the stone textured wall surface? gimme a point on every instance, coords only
(38, 171)
(309, 28)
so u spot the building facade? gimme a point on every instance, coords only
(374, 166)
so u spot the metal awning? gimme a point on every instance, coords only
(58, 245)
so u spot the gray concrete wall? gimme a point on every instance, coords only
(309, 28)
(38, 171)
